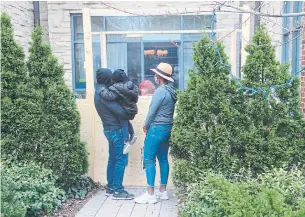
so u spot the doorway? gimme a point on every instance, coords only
(157, 52)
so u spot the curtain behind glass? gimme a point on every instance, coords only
(188, 62)
(117, 56)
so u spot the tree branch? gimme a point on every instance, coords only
(240, 10)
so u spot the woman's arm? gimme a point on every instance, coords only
(154, 106)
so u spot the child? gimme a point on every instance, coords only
(127, 94)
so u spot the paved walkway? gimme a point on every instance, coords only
(101, 206)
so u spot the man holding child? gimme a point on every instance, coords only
(116, 105)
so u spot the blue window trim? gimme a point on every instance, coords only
(77, 86)
(296, 38)
(285, 48)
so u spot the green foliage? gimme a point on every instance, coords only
(205, 135)
(61, 149)
(33, 187)
(13, 70)
(217, 126)
(10, 204)
(277, 123)
(81, 187)
(277, 193)
(20, 103)
(40, 121)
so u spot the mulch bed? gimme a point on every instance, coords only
(73, 206)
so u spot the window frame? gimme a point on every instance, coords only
(76, 88)
(296, 6)
(296, 42)
(82, 89)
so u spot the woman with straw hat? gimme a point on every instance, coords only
(158, 126)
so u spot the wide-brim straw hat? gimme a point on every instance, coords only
(165, 71)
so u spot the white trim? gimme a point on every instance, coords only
(163, 32)
(246, 24)
(233, 53)
(155, 12)
(89, 84)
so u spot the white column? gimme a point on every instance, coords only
(233, 53)
(103, 50)
(89, 89)
(88, 53)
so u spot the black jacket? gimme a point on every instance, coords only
(109, 112)
(125, 93)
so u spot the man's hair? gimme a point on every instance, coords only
(104, 76)
(160, 77)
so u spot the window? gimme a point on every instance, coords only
(145, 23)
(138, 53)
(79, 78)
(156, 52)
(96, 54)
(197, 22)
(291, 39)
(97, 24)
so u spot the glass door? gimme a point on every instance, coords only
(157, 52)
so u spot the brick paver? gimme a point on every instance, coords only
(101, 206)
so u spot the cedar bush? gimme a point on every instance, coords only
(61, 149)
(21, 110)
(207, 127)
(277, 120)
(218, 127)
(39, 118)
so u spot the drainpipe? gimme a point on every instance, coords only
(36, 13)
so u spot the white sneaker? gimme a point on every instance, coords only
(161, 195)
(133, 140)
(146, 198)
(127, 148)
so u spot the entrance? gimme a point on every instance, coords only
(157, 52)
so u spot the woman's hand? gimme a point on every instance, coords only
(145, 130)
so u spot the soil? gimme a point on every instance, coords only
(73, 206)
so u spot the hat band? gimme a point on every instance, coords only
(163, 73)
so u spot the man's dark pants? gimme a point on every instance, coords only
(117, 161)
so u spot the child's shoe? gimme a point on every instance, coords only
(133, 139)
(127, 147)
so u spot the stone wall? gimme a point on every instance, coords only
(44, 22)
(22, 16)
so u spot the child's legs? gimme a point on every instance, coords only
(124, 124)
(130, 129)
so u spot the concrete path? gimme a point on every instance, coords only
(101, 206)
